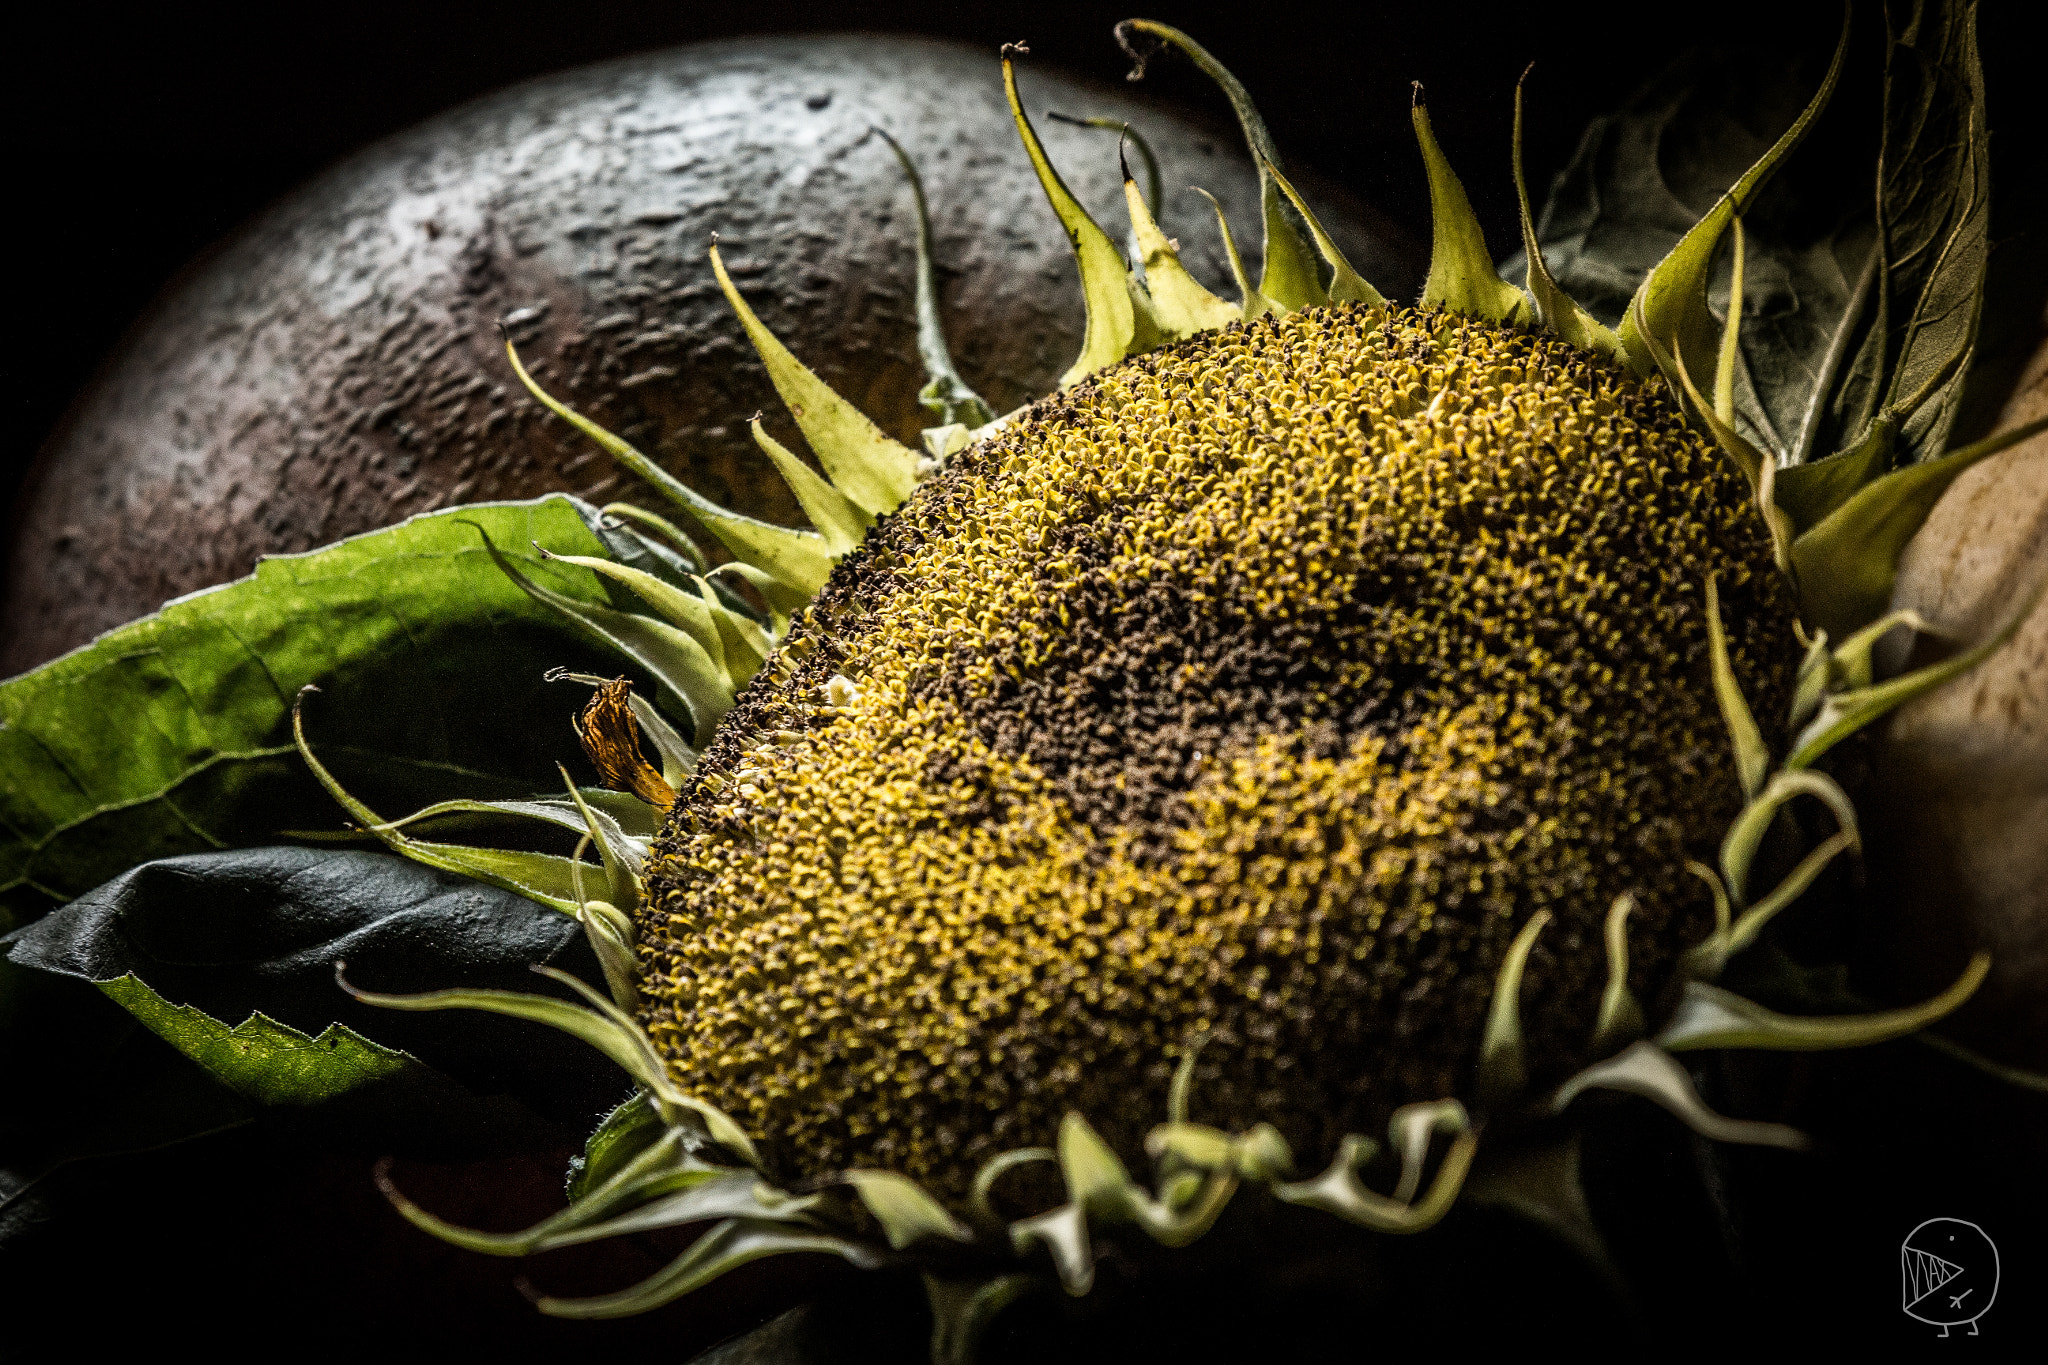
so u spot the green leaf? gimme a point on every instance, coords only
(257, 932)
(1933, 217)
(263, 1061)
(1670, 307)
(90, 1084)
(172, 734)
(1865, 254)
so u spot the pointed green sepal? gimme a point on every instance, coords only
(859, 457)
(783, 601)
(1815, 671)
(1503, 1074)
(906, 1213)
(544, 878)
(1739, 845)
(1346, 284)
(1621, 1018)
(1179, 302)
(683, 610)
(1251, 303)
(1112, 320)
(742, 642)
(671, 534)
(1290, 279)
(843, 524)
(1723, 910)
(1761, 469)
(1809, 492)
(1752, 758)
(945, 394)
(1126, 134)
(1652, 1073)
(1848, 562)
(618, 1187)
(1752, 921)
(963, 1308)
(678, 662)
(797, 558)
(1553, 308)
(1731, 334)
(726, 1247)
(1842, 714)
(618, 1042)
(1339, 1190)
(1708, 1016)
(1461, 273)
(979, 1196)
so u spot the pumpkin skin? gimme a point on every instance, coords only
(336, 366)
(1957, 799)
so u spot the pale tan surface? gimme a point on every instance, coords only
(1959, 813)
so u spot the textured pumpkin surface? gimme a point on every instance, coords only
(1259, 689)
(1957, 793)
(337, 367)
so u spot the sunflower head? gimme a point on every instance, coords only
(1258, 691)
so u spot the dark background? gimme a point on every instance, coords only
(144, 137)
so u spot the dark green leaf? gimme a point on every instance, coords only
(1934, 213)
(1829, 334)
(257, 932)
(172, 734)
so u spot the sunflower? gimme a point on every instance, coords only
(1321, 718)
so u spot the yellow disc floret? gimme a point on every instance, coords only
(1257, 690)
